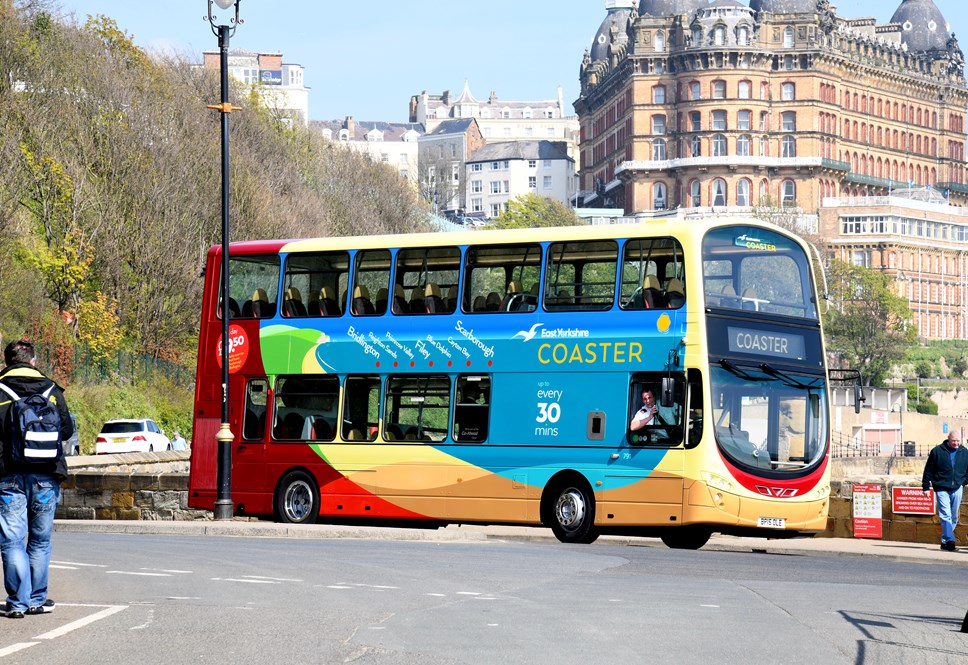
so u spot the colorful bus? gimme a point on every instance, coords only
(662, 379)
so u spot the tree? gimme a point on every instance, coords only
(869, 325)
(534, 211)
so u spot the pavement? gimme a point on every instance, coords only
(248, 528)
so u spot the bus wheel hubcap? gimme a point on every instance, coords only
(299, 500)
(570, 509)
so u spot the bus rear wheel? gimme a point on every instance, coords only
(297, 499)
(572, 515)
(686, 537)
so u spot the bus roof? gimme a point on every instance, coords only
(651, 227)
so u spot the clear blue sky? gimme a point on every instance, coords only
(366, 58)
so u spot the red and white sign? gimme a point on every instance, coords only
(238, 349)
(867, 511)
(912, 501)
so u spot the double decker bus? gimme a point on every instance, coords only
(662, 379)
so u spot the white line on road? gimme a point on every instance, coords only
(173, 572)
(14, 648)
(235, 579)
(133, 572)
(80, 565)
(80, 623)
(62, 567)
(274, 579)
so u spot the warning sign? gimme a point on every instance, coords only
(912, 501)
(867, 511)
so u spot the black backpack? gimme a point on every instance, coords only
(34, 424)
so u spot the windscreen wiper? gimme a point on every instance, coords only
(786, 378)
(739, 371)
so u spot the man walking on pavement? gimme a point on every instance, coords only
(947, 472)
(29, 488)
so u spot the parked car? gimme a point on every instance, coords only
(139, 435)
(72, 446)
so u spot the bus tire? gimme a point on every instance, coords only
(571, 513)
(686, 537)
(297, 498)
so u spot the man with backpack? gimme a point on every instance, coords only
(34, 419)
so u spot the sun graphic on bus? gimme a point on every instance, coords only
(663, 323)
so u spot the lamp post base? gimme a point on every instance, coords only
(223, 501)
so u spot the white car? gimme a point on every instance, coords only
(139, 435)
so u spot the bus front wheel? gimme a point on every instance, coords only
(686, 537)
(572, 515)
(297, 499)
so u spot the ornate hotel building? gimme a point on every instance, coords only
(689, 105)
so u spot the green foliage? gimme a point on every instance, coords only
(927, 407)
(870, 325)
(534, 211)
(97, 325)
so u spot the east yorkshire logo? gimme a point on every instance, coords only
(552, 333)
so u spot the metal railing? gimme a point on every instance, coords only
(844, 445)
(83, 366)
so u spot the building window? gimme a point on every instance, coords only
(546, 182)
(695, 92)
(719, 120)
(719, 35)
(694, 194)
(788, 38)
(764, 120)
(506, 113)
(507, 132)
(788, 193)
(658, 94)
(743, 142)
(743, 90)
(658, 124)
(495, 209)
(660, 41)
(659, 196)
(789, 145)
(697, 38)
(742, 36)
(719, 89)
(695, 121)
(696, 146)
(658, 149)
(527, 113)
(743, 193)
(719, 192)
(789, 121)
(477, 187)
(477, 205)
(743, 120)
(719, 145)
(477, 167)
(532, 163)
(532, 182)
(495, 188)
(764, 146)
(788, 92)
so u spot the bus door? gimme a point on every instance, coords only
(654, 450)
(249, 456)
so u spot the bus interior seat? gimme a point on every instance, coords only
(562, 299)
(234, 309)
(399, 300)
(450, 300)
(393, 432)
(354, 435)
(416, 305)
(259, 306)
(433, 303)
(327, 305)
(749, 299)
(651, 292)
(381, 300)
(493, 302)
(535, 289)
(319, 429)
(292, 304)
(512, 297)
(290, 427)
(675, 294)
(479, 304)
(361, 301)
(728, 297)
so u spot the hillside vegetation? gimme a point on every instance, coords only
(110, 189)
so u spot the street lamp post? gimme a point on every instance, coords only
(223, 500)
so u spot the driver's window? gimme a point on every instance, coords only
(656, 407)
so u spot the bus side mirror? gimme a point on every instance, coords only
(858, 398)
(667, 398)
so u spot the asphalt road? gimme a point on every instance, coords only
(206, 599)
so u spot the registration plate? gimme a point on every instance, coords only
(772, 522)
(118, 440)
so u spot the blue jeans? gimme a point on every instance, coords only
(949, 503)
(27, 505)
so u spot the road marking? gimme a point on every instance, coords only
(14, 648)
(235, 579)
(81, 565)
(436, 595)
(713, 606)
(338, 586)
(134, 572)
(274, 579)
(62, 567)
(184, 597)
(468, 593)
(80, 623)
(173, 572)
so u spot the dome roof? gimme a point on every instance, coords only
(617, 17)
(784, 6)
(923, 27)
(670, 7)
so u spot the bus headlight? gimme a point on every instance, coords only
(717, 482)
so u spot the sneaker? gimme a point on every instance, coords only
(8, 611)
(46, 608)
(951, 546)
